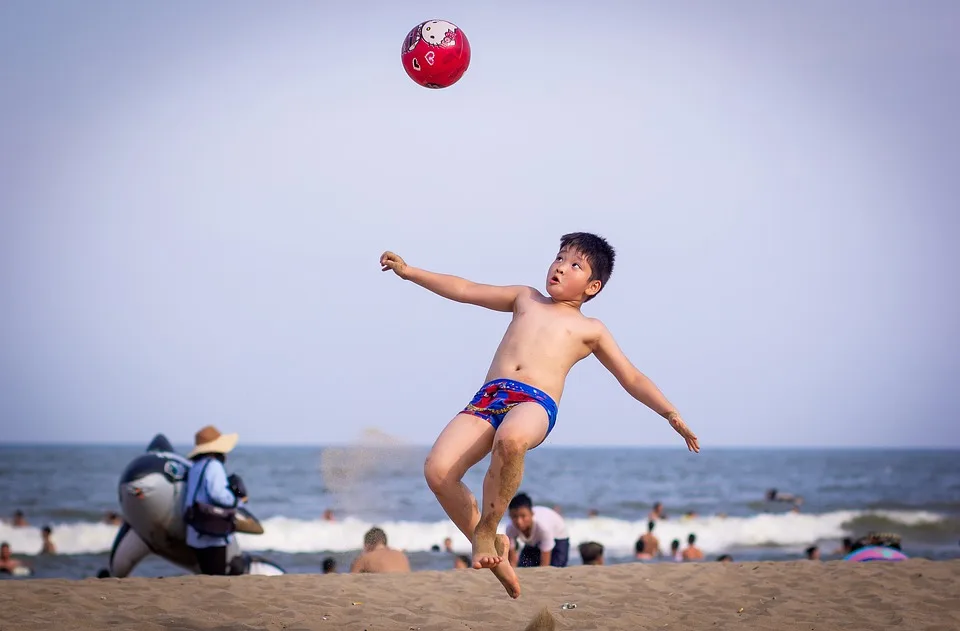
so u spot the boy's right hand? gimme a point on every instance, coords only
(391, 261)
(693, 443)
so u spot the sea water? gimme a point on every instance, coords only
(915, 493)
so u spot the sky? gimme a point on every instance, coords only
(194, 198)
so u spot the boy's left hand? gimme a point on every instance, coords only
(693, 444)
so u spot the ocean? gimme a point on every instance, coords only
(915, 493)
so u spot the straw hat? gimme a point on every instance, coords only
(209, 440)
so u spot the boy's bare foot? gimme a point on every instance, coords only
(485, 553)
(504, 571)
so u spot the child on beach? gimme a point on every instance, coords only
(516, 408)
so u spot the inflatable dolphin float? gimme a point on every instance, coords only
(151, 496)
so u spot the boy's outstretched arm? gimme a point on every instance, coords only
(496, 297)
(639, 385)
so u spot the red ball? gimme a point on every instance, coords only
(435, 54)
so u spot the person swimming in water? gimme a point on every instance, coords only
(8, 565)
(773, 495)
(516, 409)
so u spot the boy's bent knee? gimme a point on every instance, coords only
(438, 475)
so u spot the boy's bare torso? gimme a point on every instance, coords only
(543, 342)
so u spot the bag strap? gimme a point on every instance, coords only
(203, 470)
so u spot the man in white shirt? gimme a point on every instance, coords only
(540, 531)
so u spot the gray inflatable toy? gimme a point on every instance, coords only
(151, 494)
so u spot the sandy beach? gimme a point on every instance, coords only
(917, 594)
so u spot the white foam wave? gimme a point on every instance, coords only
(283, 534)
(69, 538)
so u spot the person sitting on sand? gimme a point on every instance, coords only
(591, 553)
(656, 512)
(675, 553)
(651, 545)
(692, 552)
(48, 545)
(7, 563)
(812, 553)
(516, 409)
(329, 565)
(542, 533)
(377, 558)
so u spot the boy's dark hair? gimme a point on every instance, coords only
(521, 500)
(466, 560)
(809, 551)
(650, 525)
(329, 565)
(639, 546)
(674, 544)
(596, 250)
(47, 530)
(375, 536)
(691, 538)
(590, 551)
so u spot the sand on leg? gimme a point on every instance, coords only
(524, 427)
(463, 443)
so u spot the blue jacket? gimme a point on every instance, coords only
(212, 488)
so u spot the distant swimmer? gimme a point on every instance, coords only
(377, 557)
(19, 519)
(651, 545)
(773, 495)
(692, 552)
(8, 565)
(656, 512)
(675, 554)
(48, 546)
(640, 551)
(515, 410)
(542, 533)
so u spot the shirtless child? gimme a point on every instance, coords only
(378, 557)
(516, 408)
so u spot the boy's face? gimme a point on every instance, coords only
(522, 519)
(569, 276)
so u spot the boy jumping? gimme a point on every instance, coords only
(516, 408)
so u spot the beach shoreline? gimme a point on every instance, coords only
(915, 594)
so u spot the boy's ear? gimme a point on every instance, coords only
(593, 288)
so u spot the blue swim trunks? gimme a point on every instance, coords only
(499, 396)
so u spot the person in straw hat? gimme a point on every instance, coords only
(208, 483)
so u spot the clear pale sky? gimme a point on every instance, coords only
(194, 197)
